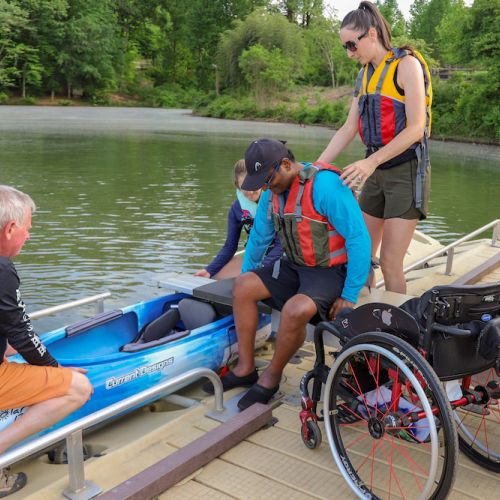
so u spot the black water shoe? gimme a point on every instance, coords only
(230, 381)
(10, 482)
(257, 394)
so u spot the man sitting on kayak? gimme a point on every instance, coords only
(50, 391)
(327, 260)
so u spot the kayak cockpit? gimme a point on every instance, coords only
(176, 323)
(113, 334)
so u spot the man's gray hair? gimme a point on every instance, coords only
(13, 205)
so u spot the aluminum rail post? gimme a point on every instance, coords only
(78, 489)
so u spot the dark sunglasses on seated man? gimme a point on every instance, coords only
(352, 46)
(271, 176)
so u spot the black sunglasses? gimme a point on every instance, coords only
(353, 46)
(270, 177)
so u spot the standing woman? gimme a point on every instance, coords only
(391, 111)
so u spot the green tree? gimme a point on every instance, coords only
(29, 68)
(327, 62)
(90, 46)
(207, 20)
(450, 33)
(14, 21)
(390, 10)
(417, 9)
(266, 71)
(301, 12)
(267, 29)
(482, 33)
(428, 17)
(44, 40)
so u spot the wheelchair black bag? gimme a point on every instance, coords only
(456, 357)
(474, 309)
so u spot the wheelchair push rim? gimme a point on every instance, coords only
(383, 446)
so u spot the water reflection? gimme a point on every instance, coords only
(123, 194)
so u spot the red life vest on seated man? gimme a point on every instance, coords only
(307, 237)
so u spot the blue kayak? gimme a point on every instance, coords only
(129, 350)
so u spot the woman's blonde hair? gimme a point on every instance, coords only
(239, 169)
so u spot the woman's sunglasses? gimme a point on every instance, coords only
(352, 46)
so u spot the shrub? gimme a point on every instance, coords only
(29, 100)
(99, 99)
(467, 106)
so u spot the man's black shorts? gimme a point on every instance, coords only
(322, 284)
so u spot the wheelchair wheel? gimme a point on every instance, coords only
(478, 424)
(313, 438)
(403, 440)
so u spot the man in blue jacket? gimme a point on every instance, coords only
(327, 259)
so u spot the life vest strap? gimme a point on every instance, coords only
(382, 75)
(408, 155)
(423, 162)
(270, 202)
(337, 253)
(298, 201)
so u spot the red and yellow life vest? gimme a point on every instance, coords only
(308, 238)
(381, 103)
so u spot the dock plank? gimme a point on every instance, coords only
(192, 490)
(295, 473)
(239, 482)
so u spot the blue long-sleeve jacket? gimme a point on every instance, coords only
(336, 202)
(235, 223)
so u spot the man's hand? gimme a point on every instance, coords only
(337, 306)
(203, 273)
(79, 370)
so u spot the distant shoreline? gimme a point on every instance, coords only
(88, 118)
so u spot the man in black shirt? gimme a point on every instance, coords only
(49, 391)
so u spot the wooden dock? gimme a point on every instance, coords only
(270, 463)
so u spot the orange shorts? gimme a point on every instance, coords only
(26, 385)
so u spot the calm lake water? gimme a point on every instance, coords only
(125, 193)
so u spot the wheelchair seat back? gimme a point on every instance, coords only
(456, 319)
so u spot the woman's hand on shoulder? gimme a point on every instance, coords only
(203, 273)
(356, 173)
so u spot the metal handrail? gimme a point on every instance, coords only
(73, 431)
(70, 305)
(496, 236)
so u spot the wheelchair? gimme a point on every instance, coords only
(410, 386)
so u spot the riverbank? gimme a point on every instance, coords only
(109, 121)
(302, 105)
